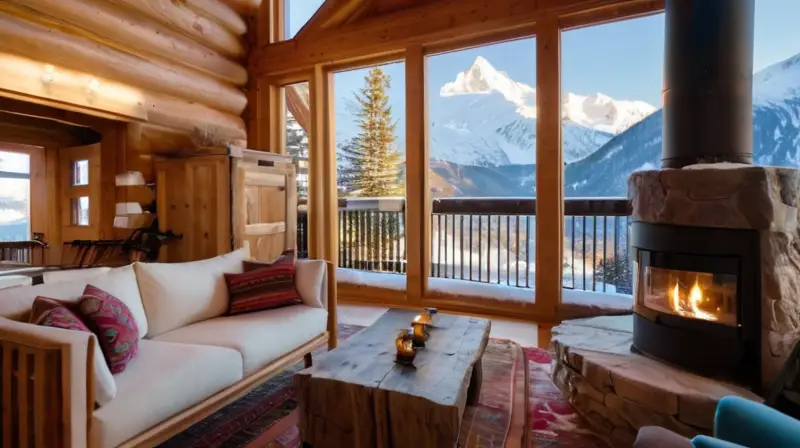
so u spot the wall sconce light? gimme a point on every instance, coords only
(49, 74)
(130, 179)
(94, 86)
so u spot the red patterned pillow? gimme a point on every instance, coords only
(286, 257)
(263, 289)
(111, 320)
(53, 313)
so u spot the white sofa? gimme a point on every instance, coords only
(192, 359)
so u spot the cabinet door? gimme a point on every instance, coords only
(265, 209)
(193, 200)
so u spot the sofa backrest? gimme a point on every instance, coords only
(178, 294)
(15, 303)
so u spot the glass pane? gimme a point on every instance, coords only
(80, 211)
(697, 295)
(482, 135)
(611, 126)
(297, 128)
(370, 152)
(298, 12)
(14, 209)
(80, 172)
(15, 162)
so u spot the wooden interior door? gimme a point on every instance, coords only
(80, 192)
(265, 209)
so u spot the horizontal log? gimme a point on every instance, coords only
(136, 33)
(179, 17)
(50, 44)
(430, 24)
(193, 118)
(25, 78)
(244, 7)
(220, 12)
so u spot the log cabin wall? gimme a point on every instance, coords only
(152, 77)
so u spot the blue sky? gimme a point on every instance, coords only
(623, 60)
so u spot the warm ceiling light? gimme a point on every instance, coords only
(130, 179)
(94, 86)
(49, 74)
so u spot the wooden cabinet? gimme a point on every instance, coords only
(221, 202)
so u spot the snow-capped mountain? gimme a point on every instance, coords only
(776, 137)
(486, 118)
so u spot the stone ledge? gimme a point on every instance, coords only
(619, 391)
(722, 195)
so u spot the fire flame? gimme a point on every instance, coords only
(694, 299)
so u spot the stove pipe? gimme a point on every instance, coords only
(708, 82)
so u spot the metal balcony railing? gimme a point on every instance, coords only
(488, 240)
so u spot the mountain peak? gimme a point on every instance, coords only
(483, 78)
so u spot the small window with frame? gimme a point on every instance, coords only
(80, 211)
(80, 173)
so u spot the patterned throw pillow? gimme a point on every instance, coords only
(111, 320)
(286, 257)
(53, 313)
(270, 287)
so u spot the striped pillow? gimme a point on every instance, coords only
(262, 289)
(286, 257)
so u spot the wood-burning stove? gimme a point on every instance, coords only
(697, 299)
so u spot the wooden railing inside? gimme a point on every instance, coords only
(31, 394)
(487, 240)
(22, 252)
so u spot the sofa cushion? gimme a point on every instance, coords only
(51, 313)
(311, 280)
(163, 380)
(71, 275)
(262, 289)
(260, 337)
(179, 294)
(15, 303)
(112, 322)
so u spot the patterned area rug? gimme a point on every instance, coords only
(519, 407)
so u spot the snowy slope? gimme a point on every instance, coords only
(776, 137)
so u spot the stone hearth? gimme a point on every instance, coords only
(732, 196)
(619, 391)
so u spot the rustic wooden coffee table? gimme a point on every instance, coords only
(356, 396)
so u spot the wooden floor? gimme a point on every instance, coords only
(525, 334)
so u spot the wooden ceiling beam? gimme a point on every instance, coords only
(427, 25)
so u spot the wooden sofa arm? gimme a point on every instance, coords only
(45, 385)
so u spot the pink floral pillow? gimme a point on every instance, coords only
(111, 320)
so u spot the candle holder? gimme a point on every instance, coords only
(405, 348)
(419, 333)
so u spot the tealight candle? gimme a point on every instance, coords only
(405, 348)
(418, 333)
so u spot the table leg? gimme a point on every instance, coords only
(475, 382)
(308, 361)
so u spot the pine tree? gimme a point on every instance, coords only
(372, 167)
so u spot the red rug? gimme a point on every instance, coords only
(519, 407)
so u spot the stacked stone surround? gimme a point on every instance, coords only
(762, 198)
(618, 391)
